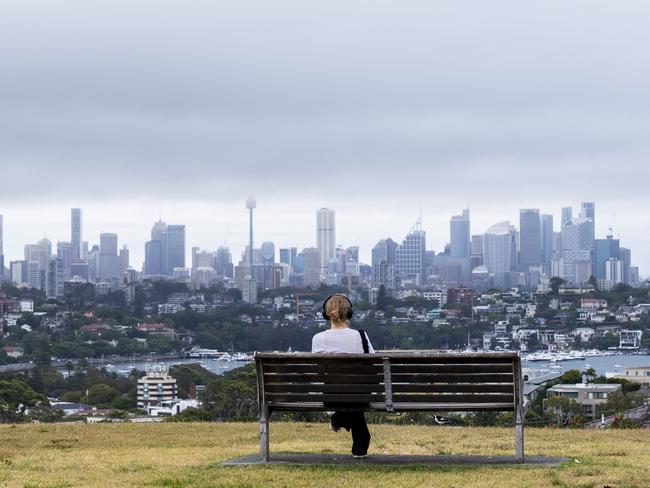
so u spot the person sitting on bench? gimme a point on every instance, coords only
(341, 339)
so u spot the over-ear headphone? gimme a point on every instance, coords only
(350, 311)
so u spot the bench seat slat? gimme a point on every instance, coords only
(323, 387)
(451, 378)
(451, 368)
(397, 388)
(324, 397)
(455, 397)
(322, 378)
(452, 388)
(329, 369)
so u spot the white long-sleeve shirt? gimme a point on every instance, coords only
(339, 341)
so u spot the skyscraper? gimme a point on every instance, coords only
(65, 252)
(166, 249)
(175, 248)
(325, 237)
(223, 262)
(476, 251)
(285, 255)
(577, 245)
(153, 258)
(383, 264)
(123, 260)
(459, 244)
(54, 278)
(76, 234)
(108, 261)
(312, 269)
(626, 263)
(409, 256)
(530, 239)
(606, 249)
(547, 241)
(459, 230)
(567, 215)
(268, 253)
(500, 251)
(38, 253)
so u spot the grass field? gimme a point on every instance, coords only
(189, 455)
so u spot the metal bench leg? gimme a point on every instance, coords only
(264, 434)
(519, 435)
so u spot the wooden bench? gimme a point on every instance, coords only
(385, 382)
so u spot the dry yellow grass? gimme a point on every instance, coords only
(189, 455)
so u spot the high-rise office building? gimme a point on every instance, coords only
(567, 215)
(530, 239)
(500, 251)
(18, 272)
(175, 248)
(383, 264)
(54, 278)
(267, 253)
(65, 252)
(577, 246)
(35, 276)
(76, 234)
(39, 253)
(108, 258)
(613, 271)
(409, 256)
(325, 237)
(459, 230)
(166, 249)
(588, 211)
(152, 258)
(606, 249)
(285, 255)
(547, 241)
(312, 266)
(626, 263)
(476, 251)
(123, 260)
(223, 262)
(459, 244)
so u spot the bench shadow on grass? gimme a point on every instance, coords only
(218, 475)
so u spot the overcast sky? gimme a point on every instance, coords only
(135, 109)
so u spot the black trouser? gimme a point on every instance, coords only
(356, 422)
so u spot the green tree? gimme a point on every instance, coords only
(16, 397)
(620, 402)
(555, 283)
(101, 394)
(191, 415)
(562, 411)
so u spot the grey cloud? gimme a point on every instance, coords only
(506, 101)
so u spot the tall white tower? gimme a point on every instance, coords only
(325, 236)
(250, 205)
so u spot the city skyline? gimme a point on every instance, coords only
(239, 230)
(432, 104)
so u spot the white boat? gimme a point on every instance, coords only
(240, 356)
(225, 357)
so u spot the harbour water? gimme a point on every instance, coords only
(602, 364)
(216, 366)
